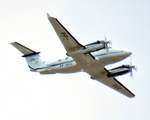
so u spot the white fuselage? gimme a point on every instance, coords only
(103, 57)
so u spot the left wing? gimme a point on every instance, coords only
(69, 42)
(111, 82)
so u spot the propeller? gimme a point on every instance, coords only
(106, 44)
(132, 67)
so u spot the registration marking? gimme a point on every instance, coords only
(67, 64)
(117, 87)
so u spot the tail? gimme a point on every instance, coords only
(33, 58)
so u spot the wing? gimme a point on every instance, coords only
(111, 82)
(69, 42)
(116, 85)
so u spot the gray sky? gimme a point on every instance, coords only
(26, 95)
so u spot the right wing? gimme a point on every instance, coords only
(111, 82)
(116, 85)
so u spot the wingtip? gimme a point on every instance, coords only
(13, 43)
(48, 15)
(132, 96)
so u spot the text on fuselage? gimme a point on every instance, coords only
(67, 64)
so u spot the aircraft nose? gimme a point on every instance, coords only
(128, 53)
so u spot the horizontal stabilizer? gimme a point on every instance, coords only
(26, 51)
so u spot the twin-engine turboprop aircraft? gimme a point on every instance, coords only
(91, 58)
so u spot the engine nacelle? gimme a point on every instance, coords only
(121, 70)
(90, 48)
(95, 43)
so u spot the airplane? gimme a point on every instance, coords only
(91, 58)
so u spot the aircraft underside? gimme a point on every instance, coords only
(91, 58)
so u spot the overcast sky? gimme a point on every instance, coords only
(30, 96)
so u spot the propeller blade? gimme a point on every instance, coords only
(135, 68)
(106, 43)
(106, 46)
(131, 73)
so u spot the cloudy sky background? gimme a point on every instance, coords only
(26, 95)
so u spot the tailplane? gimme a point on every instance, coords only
(33, 58)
